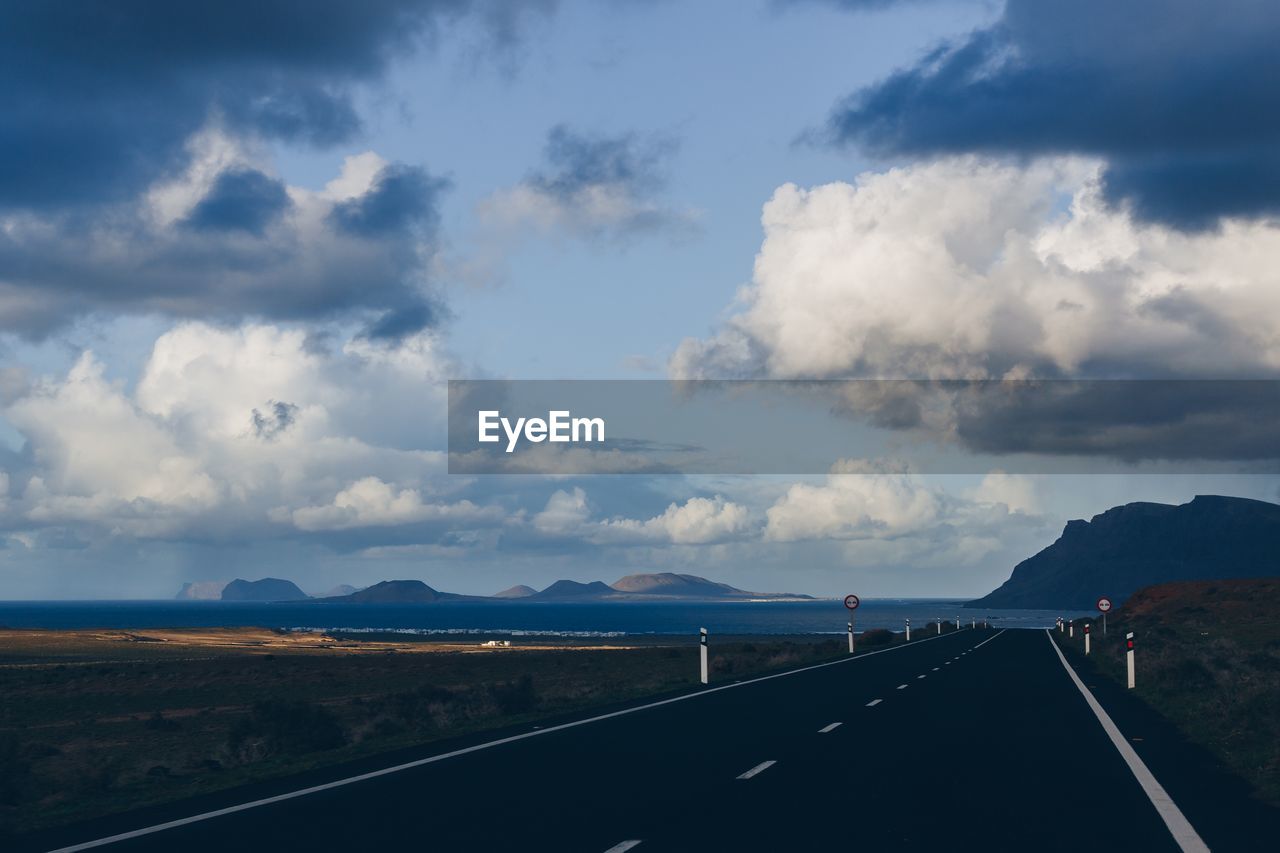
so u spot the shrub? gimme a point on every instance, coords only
(157, 722)
(514, 697)
(282, 727)
(876, 637)
(14, 772)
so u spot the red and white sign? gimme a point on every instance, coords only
(1104, 604)
(851, 602)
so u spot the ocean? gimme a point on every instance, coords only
(519, 618)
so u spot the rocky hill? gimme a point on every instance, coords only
(687, 586)
(267, 589)
(1140, 544)
(403, 591)
(573, 591)
(517, 591)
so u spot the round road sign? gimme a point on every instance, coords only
(1104, 604)
(851, 602)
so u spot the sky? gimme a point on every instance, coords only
(244, 245)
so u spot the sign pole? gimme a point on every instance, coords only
(703, 653)
(851, 603)
(1104, 605)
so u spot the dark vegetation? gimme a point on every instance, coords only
(1208, 661)
(103, 729)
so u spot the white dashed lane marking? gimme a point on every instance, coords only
(758, 769)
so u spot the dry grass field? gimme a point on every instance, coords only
(93, 722)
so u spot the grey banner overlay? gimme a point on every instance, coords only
(873, 426)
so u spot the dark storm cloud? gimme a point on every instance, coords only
(400, 322)
(222, 262)
(1178, 96)
(97, 99)
(597, 186)
(578, 162)
(278, 418)
(402, 197)
(239, 200)
(100, 103)
(1224, 420)
(848, 5)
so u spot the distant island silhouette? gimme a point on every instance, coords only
(659, 586)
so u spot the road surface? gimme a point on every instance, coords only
(975, 739)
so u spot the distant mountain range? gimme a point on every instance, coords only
(1135, 545)
(641, 587)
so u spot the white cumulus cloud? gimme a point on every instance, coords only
(967, 268)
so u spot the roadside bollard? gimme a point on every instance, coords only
(1086, 638)
(1071, 629)
(1128, 642)
(908, 630)
(939, 626)
(703, 639)
(850, 637)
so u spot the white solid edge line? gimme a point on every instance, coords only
(758, 769)
(874, 702)
(409, 765)
(829, 728)
(622, 846)
(1188, 840)
(989, 639)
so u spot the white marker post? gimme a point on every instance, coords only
(973, 624)
(703, 638)
(908, 630)
(1071, 629)
(939, 626)
(1086, 638)
(1128, 642)
(850, 636)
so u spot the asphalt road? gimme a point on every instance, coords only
(973, 740)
